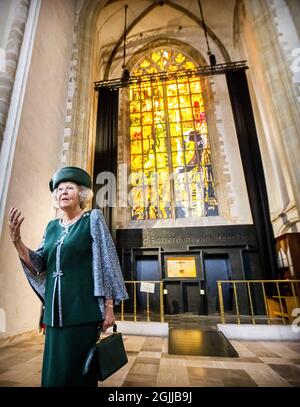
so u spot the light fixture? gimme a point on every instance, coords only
(212, 57)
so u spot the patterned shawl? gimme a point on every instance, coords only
(107, 273)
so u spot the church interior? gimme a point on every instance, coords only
(186, 113)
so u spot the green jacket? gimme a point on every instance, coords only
(69, 296)
(107, 275)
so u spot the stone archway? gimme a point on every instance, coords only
(177, 7)
(82, 101)
(81, 95)
(222, 178)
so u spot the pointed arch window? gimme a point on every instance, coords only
(171, 169)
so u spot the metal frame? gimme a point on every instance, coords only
(164, 76)
(261, 283)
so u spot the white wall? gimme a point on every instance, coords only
(267, 40)
(37, 156)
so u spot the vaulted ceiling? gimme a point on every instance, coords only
(148, 21)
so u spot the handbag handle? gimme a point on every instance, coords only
(100, 327)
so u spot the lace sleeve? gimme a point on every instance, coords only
(37, 276)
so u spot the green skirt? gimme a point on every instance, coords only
(64, 353)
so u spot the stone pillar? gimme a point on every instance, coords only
(267, 36)
(12, 52)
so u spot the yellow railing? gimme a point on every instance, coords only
(135, 302)
(268, 297)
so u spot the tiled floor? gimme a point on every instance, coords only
(275, 364)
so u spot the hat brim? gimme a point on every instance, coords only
(73, 174)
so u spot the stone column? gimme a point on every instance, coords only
(269, 18)
(12, 52)
(260, 27)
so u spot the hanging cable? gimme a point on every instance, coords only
(126, 75)
(212, 57)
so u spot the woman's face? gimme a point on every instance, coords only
(68, 195)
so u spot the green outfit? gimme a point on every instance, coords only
(72, 313)
(76, 269)
(64, 353)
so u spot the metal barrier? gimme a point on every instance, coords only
(273, 300)
(135, 301)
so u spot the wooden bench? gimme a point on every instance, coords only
(288, 304)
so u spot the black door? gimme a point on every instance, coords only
(191, 297)
(173, 299)
(182, 296)
(147, 269)
(216, 268)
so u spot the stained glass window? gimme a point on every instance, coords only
(171, 169)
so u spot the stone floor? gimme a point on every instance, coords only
(266, 364)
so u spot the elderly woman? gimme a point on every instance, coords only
(76, 273)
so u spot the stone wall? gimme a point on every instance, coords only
(90, 57)
(37, 156)
(264, 33)
(267, 38)
(11, 49)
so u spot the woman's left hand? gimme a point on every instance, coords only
(109, 319)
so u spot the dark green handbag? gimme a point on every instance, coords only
(107, 356)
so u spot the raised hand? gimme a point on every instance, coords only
(14, 222)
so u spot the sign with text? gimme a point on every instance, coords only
(147, 287)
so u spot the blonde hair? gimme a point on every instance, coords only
(85, 195)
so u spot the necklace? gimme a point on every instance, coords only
(71, 222)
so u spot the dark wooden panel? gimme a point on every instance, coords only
(191, 297)
(147, 269)
(169, 238)
(216, 268)
(173, 300)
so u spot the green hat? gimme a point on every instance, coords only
(74, 174)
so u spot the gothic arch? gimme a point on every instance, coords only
(183, 10)
(192, 52)
(221, 181)
(84, 101)
(239, 15)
